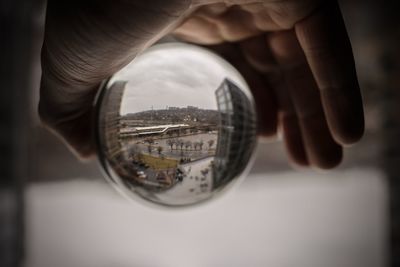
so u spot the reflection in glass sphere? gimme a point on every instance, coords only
(175, 126)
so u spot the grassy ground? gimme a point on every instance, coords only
(159, 163)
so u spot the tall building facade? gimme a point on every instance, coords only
(236, 133)
(110, 120)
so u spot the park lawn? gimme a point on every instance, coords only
(159, 163)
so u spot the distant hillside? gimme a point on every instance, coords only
(176, 115)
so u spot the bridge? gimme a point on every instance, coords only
(152, 130)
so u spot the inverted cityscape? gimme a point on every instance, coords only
(179, 154)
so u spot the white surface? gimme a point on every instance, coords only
(302, 220)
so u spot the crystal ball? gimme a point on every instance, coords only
(176, 126)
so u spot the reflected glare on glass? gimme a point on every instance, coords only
(176, 126)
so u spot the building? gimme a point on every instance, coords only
(152, 130)
(236, 133)
(109, 120)
(192, 108)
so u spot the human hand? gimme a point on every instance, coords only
(295, 55)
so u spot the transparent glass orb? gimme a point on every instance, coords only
(176, 127)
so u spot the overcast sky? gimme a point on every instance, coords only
(174, 76)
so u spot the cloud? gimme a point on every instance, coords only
(174, 75)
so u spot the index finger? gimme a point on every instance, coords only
(326, 45)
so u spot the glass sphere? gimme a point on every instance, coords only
(176, 126)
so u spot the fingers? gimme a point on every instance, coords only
(198, 30)
(261, 59)
(265, 100)
(217, 23)
(86, 42)
(69, 116)
(252, 60)
(322, 151)
(288, 122)
(293, 139)
(327, 48)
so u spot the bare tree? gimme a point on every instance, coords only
(201, 143)
(159, 149)
(195, 144)
(210, 143)
(170, 142)
(149, 140)
(181, 143)
(175, 142)
(188, 144)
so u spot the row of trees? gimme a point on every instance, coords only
(159, 149)
(180, 143)
(180, 132)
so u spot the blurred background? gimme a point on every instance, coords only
(57, 211)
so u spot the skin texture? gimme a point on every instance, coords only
(295, 55)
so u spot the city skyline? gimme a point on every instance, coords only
(152, 108)
(174, 79)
